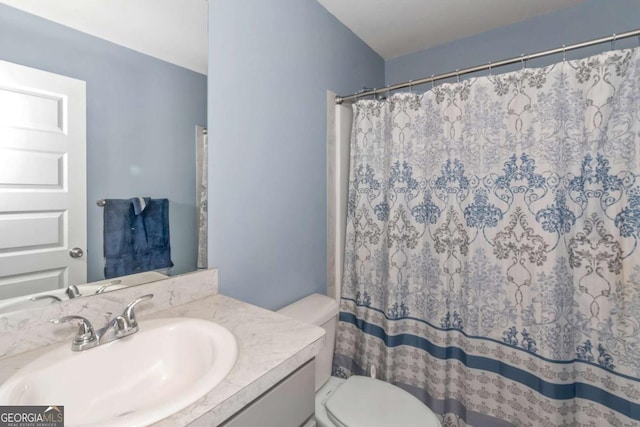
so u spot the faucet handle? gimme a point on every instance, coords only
(130, 315)
(42, 297)
(102, 288)
(85, 337)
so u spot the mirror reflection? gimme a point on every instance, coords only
(40, 299)
(85, 120)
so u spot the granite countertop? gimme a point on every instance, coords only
(270, 347)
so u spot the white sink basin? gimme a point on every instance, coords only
(135, 381)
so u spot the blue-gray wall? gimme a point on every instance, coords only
(270, 66)
(588, 20)
(141, 118)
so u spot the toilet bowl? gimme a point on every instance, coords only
(357, 401)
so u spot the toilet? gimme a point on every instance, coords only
(358, 401)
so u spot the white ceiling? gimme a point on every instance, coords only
(176, 30)
(397, 27)
(172, 30)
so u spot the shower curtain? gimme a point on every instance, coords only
(491, 261)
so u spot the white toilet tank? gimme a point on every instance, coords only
(319, 310)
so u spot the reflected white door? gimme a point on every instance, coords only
(42, 180)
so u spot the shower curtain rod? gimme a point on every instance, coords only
(457, 73)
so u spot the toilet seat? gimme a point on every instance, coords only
(363, 401)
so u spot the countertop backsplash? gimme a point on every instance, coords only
(25, 330)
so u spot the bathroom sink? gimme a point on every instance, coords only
(133, 381)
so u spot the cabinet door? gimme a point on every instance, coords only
(290, 403)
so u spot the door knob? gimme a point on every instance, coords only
(76, 253)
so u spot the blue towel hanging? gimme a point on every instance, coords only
(136, 236)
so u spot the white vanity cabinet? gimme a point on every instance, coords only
(290, 403)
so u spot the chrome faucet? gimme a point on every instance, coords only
(106, 285)
(73, 292)
(119, 327)
(85, 338)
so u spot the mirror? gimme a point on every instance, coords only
(40, 299)
(144, 122)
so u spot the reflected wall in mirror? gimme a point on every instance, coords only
(141, 118)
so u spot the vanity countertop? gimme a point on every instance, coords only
(270, 347)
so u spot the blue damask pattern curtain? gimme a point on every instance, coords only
(491, 265)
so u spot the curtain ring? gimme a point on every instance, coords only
(458, 75)
(411, 90)
(613, 42)
(522, 60)
(564, 53)
(433, 81)
(489, 67)
(388, 92)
